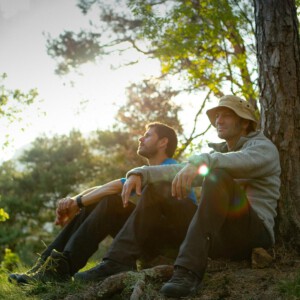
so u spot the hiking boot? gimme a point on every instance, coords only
(55, 268)
(14, 276)
(105, 269)
(183, 283)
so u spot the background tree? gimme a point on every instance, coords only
(209, 43)
(278, 51)
(148, 102)
(207, 46)
(51, 169)
(12, 103)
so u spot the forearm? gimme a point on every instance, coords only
(85, 192)
(97, 193)
(254, 160)
(152, 174)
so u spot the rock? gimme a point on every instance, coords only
(260, 258)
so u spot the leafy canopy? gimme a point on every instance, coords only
(208, 44)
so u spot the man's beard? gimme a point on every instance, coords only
(146, 153)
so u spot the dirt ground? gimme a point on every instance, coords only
(238, 280)
(258, 279)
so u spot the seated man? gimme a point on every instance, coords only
(95, 214)
(240, 188)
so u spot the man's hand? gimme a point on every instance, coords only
(182, 182)
(66, 210)
(133, 183)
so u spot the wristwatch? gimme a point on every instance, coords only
(79, 201)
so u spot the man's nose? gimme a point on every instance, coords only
(219, 119)
(141, 139)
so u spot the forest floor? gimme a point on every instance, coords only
(260, 279)
(272, 275)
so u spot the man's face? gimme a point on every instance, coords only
(229, 125)
(148, 144)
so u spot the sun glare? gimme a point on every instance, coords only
(203, 170)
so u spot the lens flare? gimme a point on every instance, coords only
(238, 207)
(203, 170)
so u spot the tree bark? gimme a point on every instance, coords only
(278, 53)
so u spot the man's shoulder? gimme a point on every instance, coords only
(261, 143)
(258, 138)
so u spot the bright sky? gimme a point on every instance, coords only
(23, 57)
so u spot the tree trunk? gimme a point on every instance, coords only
(278, 53)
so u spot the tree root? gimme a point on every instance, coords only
(133, 283)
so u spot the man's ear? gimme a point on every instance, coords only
(246, 124)
(163, 142)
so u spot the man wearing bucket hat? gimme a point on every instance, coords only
(240, 188)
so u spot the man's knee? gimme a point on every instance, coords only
(218, 176)
(109, 203)
(161, 189)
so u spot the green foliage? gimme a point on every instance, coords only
(51, 169)
(203, 46)
(3, 215)
(148, 102)
(116, 154)
(13, 102)
(290, 288)
(208, 44)
(57, 164)
(85, 5)
(10, 261)
(72, 50)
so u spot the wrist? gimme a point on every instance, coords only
(79, 201)
(135, 174)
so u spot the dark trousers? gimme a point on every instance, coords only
(158, 222)
(223, 225)
(79, 239)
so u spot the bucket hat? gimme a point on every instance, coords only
(240, 106)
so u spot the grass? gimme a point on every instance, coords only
(34, 291)
(291, 288)
(9, 291)
(49, 291)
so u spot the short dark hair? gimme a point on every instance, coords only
(163, 130)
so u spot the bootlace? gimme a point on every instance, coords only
(36, 266)
(49, 266)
